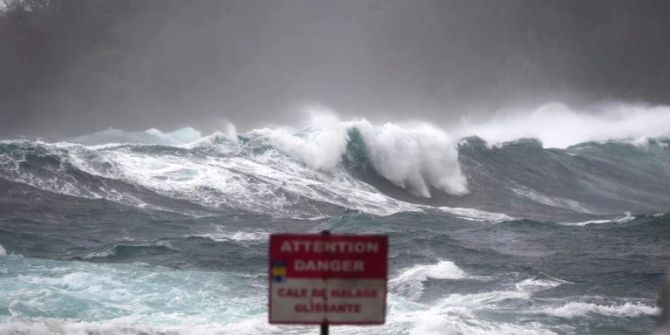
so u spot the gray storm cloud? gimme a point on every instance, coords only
(77, 66)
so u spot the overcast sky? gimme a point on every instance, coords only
(256, 62)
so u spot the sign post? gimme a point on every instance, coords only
(328, 279)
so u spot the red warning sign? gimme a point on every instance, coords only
(334, 279)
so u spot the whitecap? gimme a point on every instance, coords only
(559, 126)
(99, 254)
(535, 284)
(456, 314)
(409, 282)
(240, 236)
(626, 218)
(622, 219)
(135, 325)
(414, 157)
(441, 324)
(320, 144)
(477, 215)
(582, 309)
(482, 300)
(265, 182)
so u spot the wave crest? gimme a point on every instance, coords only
(558, 126)
(331, 165)
(414, 158)
(580, 309)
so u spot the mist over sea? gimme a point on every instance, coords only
(549, 222)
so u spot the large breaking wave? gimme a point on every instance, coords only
(329, 166)
(166, 232)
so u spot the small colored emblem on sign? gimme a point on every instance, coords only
(278, 271)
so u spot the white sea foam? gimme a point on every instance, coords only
(448, 320)
(3, 251)
(271, 182)
(267, 183)
(534, 284)
(240, 236)
(291, 171)
(249, 236)
(134, 325)
(441, 324)
(581, 309)
(473, 301)
(423, 323)
(625, 218)
(458, 314)
(56, 179)
(483, 300)
(476, 214)
(127, 298)
(409, 282)
(558, 126)
(414, 157)
(99, 254)
(461, 313)
(134, 298)
(320, 144)
(584, 223)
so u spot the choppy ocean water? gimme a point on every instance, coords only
(155, 233)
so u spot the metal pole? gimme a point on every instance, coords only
(324, 326)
